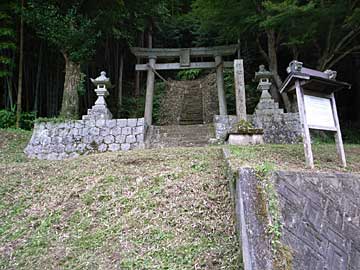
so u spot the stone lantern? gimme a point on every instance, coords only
(266, 106)
(100, 110)
(264, 76)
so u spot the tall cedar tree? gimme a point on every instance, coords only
(7, 47)
(328, 27)
(63, 25)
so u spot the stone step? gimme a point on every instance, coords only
(175, 132)
(179, 135)
(191, 122)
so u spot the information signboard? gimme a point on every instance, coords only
(319, 114)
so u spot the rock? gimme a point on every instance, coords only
(121, 122)
(130, 139)
(120, 139)
(131, 122)
(126, 131)
(116, 131)
(109, 139)
(114, 147)
(102, 147)
(125, 146)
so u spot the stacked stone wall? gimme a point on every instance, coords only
(279, 127)
(56, 141)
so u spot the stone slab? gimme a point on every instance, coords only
(244, 139)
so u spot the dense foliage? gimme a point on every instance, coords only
(84, 37)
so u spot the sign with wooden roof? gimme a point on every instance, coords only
(316, 103)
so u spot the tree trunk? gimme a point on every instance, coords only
(37, 85)
(70, 100)
(21, 59)
(357, 103)
(10, 92)
(120, 82)
(138, 73)
(273, 66)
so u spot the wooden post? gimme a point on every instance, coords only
(338, 137)
(240, 97)
(150, 84)
(306, 133)
(220, 85)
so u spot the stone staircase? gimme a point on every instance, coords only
(192, 108)
(179, 136)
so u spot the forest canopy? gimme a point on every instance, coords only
(50, 49)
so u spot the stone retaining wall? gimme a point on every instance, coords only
(320, 220)
(278, 127)
(55, 141)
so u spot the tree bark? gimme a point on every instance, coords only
(120, 85)
(273, 66)
(10, 92)
(138, 73)
(37, 85)
(21, 59)
(70, 100)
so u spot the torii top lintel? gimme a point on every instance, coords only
(170, 52)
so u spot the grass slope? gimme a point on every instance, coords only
(291, 157)
(152, 209)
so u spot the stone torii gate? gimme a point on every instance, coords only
(184, 55)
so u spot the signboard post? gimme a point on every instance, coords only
(314, 92)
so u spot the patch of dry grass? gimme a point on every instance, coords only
(151, 209)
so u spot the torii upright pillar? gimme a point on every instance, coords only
(220, 84)
(150, 85)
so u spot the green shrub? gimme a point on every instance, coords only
(8, 119)
(27, 120)
(351, 135)
(188, 74)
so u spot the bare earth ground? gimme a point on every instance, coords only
(150, 209)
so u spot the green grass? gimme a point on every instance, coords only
(291, 157)
(150, 209)
(12, 144)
